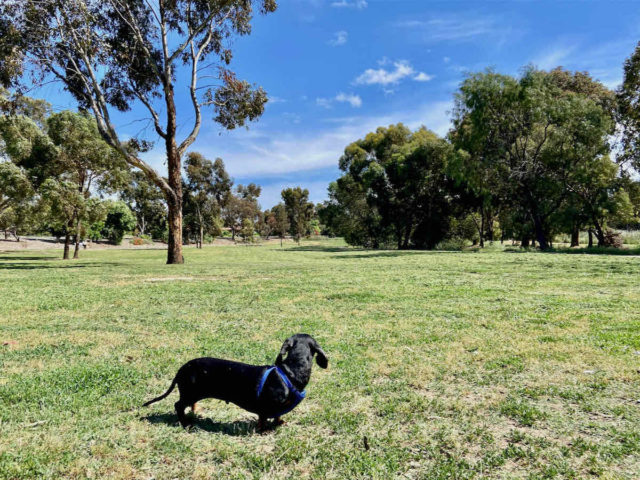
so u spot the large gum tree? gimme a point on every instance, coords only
(113, 54)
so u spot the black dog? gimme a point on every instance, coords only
(268, 391)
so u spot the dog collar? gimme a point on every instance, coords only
(295, 396)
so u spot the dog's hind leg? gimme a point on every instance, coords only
(180, 406)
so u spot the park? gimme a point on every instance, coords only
(347, 239)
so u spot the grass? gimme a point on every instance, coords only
(451, 365)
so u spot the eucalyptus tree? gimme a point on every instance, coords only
(628, 96)
(86, 161)
(146, 201)
(531, 133)
(112, 54)
(299, 211)
(208, 187)
(16, 194)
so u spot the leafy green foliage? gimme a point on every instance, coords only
(119, 221)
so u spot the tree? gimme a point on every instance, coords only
(240, 206)
(531, 133)
(395, 189)
(280, 221)
(15, 194)
(208, 187)
(84, 159)
(299, 211)
(628, 97)
(146, 201)
(119, 220)
(111, 54)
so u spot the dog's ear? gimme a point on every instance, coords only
(321, 357)
(286, 346)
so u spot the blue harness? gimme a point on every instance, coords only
(295, 397)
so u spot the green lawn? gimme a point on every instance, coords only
(442, 365)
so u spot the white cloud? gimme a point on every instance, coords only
(384, 77)
(359, 4)
(339, 38)
(323, 102)
(554, 57)
(422, 77)
(274, 99)
(461, 27)
(268, 154)
(353, 100)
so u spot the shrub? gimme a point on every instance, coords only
(452, 244)
(119, 221)
(612, 239)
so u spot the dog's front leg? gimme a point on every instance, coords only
(262, 424)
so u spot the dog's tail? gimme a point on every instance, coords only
(164, 395)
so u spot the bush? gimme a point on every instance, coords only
(452, 244)
(612, 239)
(120, 220)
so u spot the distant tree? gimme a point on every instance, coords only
(16, 193)
(84, 159)
(247, 230)
(280, 221)
(110, 54)
(628, 118)
(531, 133)
(240, 206)
(394, 190)
(299, 211)
(208, 187)
(146, 201)
(119, 220)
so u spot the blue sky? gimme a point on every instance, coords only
(337, 69)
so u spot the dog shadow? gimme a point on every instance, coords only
(239, 428)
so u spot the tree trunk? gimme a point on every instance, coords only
(481, 227)
(6, 235)
(201, 234)
(76, 252)
(540, 236)
(174, 203)
(575, 236)
(489, 227)
(599, 232)
(67, 241)
(590, 238)
(525, 241)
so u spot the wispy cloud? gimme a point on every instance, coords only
(358, 4)
(381, 76)
(339, 38)
(267, 154)
(353, 100)
(455, 28)
(553, 57)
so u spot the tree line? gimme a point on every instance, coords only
(527, 158)
(59, 176)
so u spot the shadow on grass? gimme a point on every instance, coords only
(583, 251)
(317, 248)
(17, 258)
(41, 266)
(239, 428)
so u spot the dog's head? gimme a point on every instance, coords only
(301, 348)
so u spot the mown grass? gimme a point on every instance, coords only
(442, 364)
